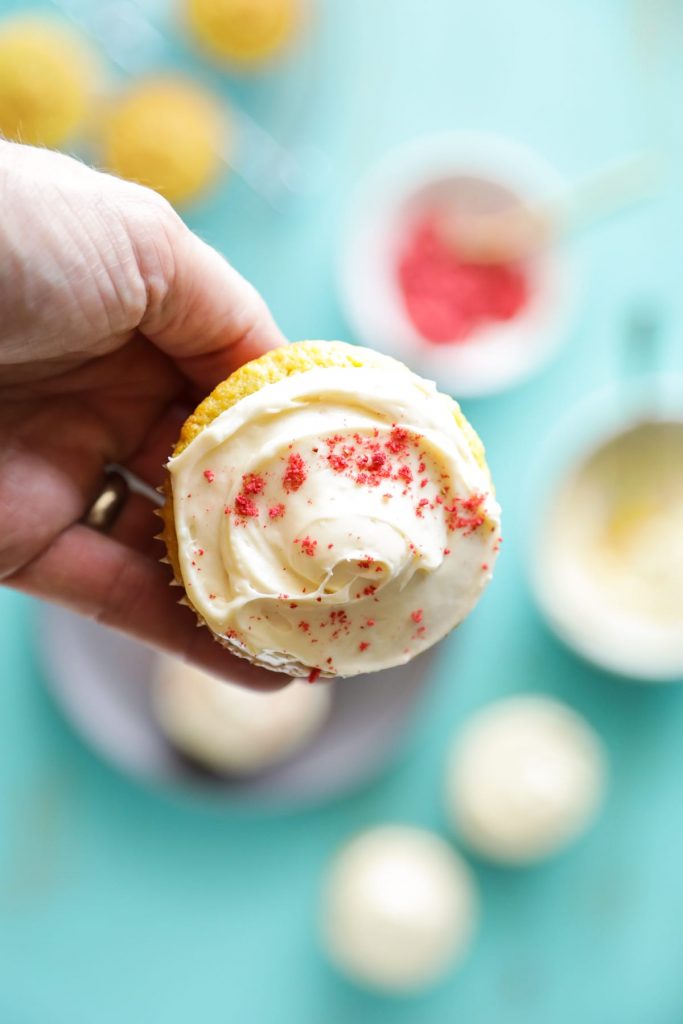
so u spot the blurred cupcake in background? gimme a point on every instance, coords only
(229, 730)
(399, 910)
(243, 32)
(524, 779)
(48, 80)
(168, 133)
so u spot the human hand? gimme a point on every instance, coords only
(114, 320)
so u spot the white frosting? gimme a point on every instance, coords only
(364, 563)
(232, 729)
(525, 777)
(400, 908)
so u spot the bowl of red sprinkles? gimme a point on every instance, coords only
(411, 289)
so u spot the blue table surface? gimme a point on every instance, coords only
(117, 904)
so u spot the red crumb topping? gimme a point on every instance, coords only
(314, 675)
(363, 646)
(416, 616)
(295, 473)
(398, 441)
(252, 483)
(276, 511)
(209, 475)
(465, 513)
(304, 626)
(308, 546)
(245, 506)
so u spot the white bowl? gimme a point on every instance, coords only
(491, 170)
(606, 620)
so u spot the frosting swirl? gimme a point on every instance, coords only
(336, 521)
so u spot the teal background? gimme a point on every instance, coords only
(118, 904)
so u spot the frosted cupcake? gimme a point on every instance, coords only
(231, 730)
(166, 133)
(328, 512)
(243, 31)
(47, 79)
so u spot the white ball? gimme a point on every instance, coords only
(524, 778)
(399, 909)
(231, 729)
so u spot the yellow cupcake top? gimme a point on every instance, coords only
(166, 133)
(244, 31)
(329, 512)
(47, 78)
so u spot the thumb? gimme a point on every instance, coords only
(200, 311)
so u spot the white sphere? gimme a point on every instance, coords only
(231, 729)
(524, 778)
(399, 909)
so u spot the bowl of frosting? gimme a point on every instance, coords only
(410, 286)
(608, 561)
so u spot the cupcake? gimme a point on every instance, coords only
(525, 777)
(230, 730)
(166, 133)
(47, 79)
(243, 31)
(399, 909)
(328, 512)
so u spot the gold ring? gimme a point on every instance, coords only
(108, 504)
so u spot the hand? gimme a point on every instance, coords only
(114, 320)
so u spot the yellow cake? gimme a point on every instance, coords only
(47, 79)
(328, 512)
(243, 31)
(166, 133)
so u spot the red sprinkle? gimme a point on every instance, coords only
(209, 475)
(449, 299)
(252, 483)
(465, 513)
(314, 675)
(244, 506)
(398, 440)
(304, 626)
(363, 646)
(416, 616)
(276, 511)
(308, 546)
(295, 473)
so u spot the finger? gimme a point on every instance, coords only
(149, 460)
(97, 576)
(137, 527)
(207, 318)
